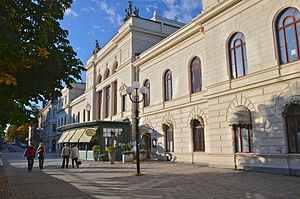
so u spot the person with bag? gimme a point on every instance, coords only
(74, 156)
(41, 152)
(30, 155)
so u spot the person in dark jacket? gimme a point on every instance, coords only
(30, 155)
(41, 155)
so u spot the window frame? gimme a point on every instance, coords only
(238, 138)
(114, 97)
(193, 71)
(146, 102)
(107, 101)
(169, 140)
(198, 129)
(168, 94)
(283, 27)
(243, 59)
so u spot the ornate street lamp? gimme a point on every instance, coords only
(134, 93)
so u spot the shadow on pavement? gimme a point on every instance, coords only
(21, 184)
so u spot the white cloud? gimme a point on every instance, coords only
(100, 29)
(71, 13)
(181, 9)
(91, 33)
(88, 9)
(150, 8)
(111, 13)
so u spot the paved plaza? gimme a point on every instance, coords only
(160, 180)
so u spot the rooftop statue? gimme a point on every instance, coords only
(130, 12)
(97, 47)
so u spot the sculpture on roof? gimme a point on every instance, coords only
(97, 47)
(130, 12)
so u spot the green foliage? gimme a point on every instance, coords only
(126, 146)
(96, 148)
(111, 149)
(17, 132)
(36, 57)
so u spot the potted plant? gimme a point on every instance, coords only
(143, 154)
(127, 154)
(96, 152)
(111, 154)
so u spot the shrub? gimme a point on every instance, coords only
(96, 148)
(111, 149)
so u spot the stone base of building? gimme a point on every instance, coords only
(282, 164)
(279, 171)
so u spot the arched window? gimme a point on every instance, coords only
(147, 94)
(106, 74)
(114, 67)
(169, 137)
(238, 56)
(292, 115)
(196, 76)
(168, 85)
(240, 120)
(198, 135)
(288, 35)
(99, 79)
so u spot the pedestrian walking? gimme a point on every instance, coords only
(41, 152)
(65, 154)
(74, 155)
(30, 155)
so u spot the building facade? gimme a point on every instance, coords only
(223, 90)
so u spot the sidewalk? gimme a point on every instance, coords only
(160, 180)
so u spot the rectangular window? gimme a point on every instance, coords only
(53, 127)
(100, 104)
(83, 115)
(243, 140)
(78, 117)
(115, 95)
(107, 101)
(124, 102)
(89, 115)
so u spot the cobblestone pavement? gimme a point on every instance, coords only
(160, 180)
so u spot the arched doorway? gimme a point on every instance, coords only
(198, 135)
(146, 141)
(169, 137)
(292, 115)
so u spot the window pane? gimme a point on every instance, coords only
(291, 134)
(245, 60)
(237, 140)
(291, 42)
(282, 49)
(245, 139)
(233, 72)
(239, 62)
(298, 35)
(288, 21)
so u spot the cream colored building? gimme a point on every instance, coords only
(224, 88)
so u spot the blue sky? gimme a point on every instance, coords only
(90, 20)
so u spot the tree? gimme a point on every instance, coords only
(36, 58)
(19, 133)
